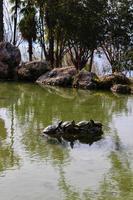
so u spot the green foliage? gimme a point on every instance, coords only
(78, 27)
(84, 28)
(119, 32)
(27, 24)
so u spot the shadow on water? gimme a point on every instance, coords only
(71, 140)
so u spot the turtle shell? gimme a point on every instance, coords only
(98, 124)
(82, 123)
(50, 129)
(67, 124)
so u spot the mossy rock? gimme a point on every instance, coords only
(31, 71)
(58, 77)
(121, 89)
(86, 80)
(108, 81)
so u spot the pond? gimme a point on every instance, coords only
(35, 168)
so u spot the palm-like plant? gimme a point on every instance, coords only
(27, 26)
(16, 6)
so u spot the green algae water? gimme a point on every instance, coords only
(35, 168)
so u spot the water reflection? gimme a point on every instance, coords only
(8, 158)
(117, 184)
(3, 132)
(100, 171)
(45, 108)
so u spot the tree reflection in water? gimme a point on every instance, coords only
(117, 184)
(32, 108)
(8, 158)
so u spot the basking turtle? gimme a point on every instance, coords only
(86, 126)
(98, 124)
(52, 129)
(92, 122)
(68, 125)
(82, 124)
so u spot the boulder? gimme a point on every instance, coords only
(122, 89)
(108, 81)
(3, 70)
(58, 77)
(31, 71)
(70, 77)
(86, 80)
(10, 58)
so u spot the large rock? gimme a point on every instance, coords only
(58, 77)
(122, 89)
(3, 70)
(86, 80)
(10, 58)
(109, 80)
(69, 77)
(31, 71)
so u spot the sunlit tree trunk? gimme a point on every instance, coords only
(91, 61)
(15, 22)
(1, 21)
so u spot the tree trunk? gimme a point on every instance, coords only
(1, 21)
(15, 22)
(42, 40)
(91, 61)
(30, 50)
(57, 54)
(51, 51)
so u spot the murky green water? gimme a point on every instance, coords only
(33, 168)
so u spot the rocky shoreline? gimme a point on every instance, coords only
(69, 77)
(11, 68)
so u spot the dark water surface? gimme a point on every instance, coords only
(34, 168)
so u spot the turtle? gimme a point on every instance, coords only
(68, 125)
(98, 124)
(92, 121)
(82, 124)
(52, 129)
(85, 126)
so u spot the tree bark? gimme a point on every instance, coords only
(1, 21)
(15, 22)
(91, 61)
(51, 51)
(30, 50)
